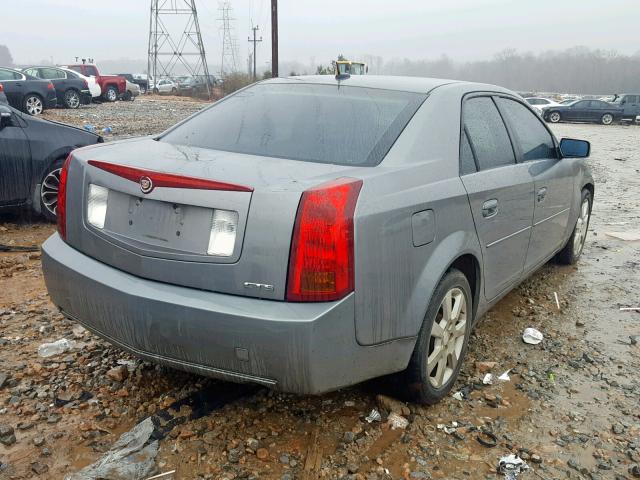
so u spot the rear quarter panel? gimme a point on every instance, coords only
(394, 278)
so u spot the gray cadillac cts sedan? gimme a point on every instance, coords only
(309, 233)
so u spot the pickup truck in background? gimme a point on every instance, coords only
(113, 86)
(630, 103)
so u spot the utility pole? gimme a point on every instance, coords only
(274, 38)
(254, 41)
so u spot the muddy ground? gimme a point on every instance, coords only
(571, 408)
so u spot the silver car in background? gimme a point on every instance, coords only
(309, 233)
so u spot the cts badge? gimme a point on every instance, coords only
(146, 185)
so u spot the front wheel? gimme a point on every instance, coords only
(71, 99)
(49, 191)
(554, 117)
(174, 91)
(571, 252)
(33, 104)
(607, 119)
(443, 340)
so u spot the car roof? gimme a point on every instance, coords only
(388, 82)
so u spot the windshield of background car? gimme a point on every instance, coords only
(307, 122)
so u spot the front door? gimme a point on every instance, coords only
(552, 177)
(500, 194)
(15, 164)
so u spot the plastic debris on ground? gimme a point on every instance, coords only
(555, 294)
(458, 396)
(56, 348)
(89, 128)
(397, 421)
(631, 236)
(532, 336)
(488, 379)
(130, 458)
(511, 466)
(374, 416)
(505, 376)
(630, 309)
(107, 130)
(448, 429)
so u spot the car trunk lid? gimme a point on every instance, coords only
(163, 231)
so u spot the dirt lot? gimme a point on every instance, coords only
(571, 408)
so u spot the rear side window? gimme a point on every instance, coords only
(91, 71)
(487, 134)
(308, 122)
(534, 139)
(631, 99)
(467, 162)
(9, 75)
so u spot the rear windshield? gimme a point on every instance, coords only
(314, 123)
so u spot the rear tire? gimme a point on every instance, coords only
(607, 119)
(111, 94)
(442, 342)
(49, 191)
(33, 104)
(174, 90)
(571, 252)
(554, 117)
(71, 99)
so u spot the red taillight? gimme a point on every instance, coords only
(50, 86)
(160, 179)
(1, 88)
(61, 208)
(321, 266)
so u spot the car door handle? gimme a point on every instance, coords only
(490, 208)
(541, 194)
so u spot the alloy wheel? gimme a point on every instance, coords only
(72, 99)
(49, 190)
(112, 96)
(34, 105)
(554, 117)
(447, 338)
(607, 119)
(581, 228)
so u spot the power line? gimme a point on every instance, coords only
(255, 42)
(167, 49)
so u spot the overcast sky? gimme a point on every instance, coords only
(320, 29)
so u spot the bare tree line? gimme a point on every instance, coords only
(575, 70)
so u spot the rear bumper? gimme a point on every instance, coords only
(302, 348)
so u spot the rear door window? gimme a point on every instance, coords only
(534, 139)
(488, 135)
(467, 161)
(9, 75)
(300, 121)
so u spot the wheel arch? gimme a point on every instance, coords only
(460, 250)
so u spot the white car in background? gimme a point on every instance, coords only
(94, 88)
(539, 103)
(164, 85)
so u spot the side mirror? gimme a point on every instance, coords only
(571, 148)
(5, 116)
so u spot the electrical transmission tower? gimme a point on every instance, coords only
(169, 47)
(229, 46)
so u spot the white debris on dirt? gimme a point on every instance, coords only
(532, 336)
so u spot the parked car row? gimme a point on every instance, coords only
(623, 108)
(189, 86)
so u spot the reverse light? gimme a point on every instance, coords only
(321, 265)
(61, 207)
(222, 238)
(97, 205)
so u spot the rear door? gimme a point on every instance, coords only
(15, 164)
(631, 106)
(552, 177)
(500, 193)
